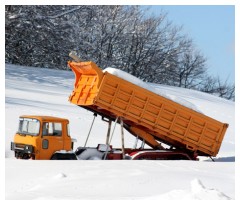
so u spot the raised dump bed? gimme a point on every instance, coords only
(152, 117)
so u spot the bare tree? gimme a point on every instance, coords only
(215, 86)
(191, 69)
(148, 47)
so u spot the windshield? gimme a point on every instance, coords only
(28, 126)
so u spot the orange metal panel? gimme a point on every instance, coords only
(168, 121)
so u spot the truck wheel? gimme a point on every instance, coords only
(64, 156)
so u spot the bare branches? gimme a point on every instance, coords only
(149, 47)
(63, 13)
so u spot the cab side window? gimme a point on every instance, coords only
(52, 129)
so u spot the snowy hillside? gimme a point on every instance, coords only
(45, 92)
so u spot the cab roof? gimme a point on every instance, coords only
(44, 118)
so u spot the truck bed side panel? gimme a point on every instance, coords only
(167, 120)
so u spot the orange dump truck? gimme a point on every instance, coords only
(150, 117)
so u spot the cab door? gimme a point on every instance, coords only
(52, 139)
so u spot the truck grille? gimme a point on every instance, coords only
(20, 146)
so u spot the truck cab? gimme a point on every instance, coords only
(43, 137)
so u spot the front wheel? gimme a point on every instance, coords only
(64, 156)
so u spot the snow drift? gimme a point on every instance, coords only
(45, 92)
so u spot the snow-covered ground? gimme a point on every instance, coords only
(45, 92)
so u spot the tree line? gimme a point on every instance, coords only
(147, 46)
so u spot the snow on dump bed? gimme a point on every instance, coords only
(137, 81)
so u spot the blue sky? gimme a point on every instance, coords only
(212, 29)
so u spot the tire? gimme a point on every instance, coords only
(64, 156)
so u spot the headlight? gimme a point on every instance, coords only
(28, 149)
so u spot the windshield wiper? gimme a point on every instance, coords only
(32, 134)
(22, 134)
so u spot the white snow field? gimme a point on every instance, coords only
(45, 92)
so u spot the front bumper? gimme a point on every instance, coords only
(22, 148)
